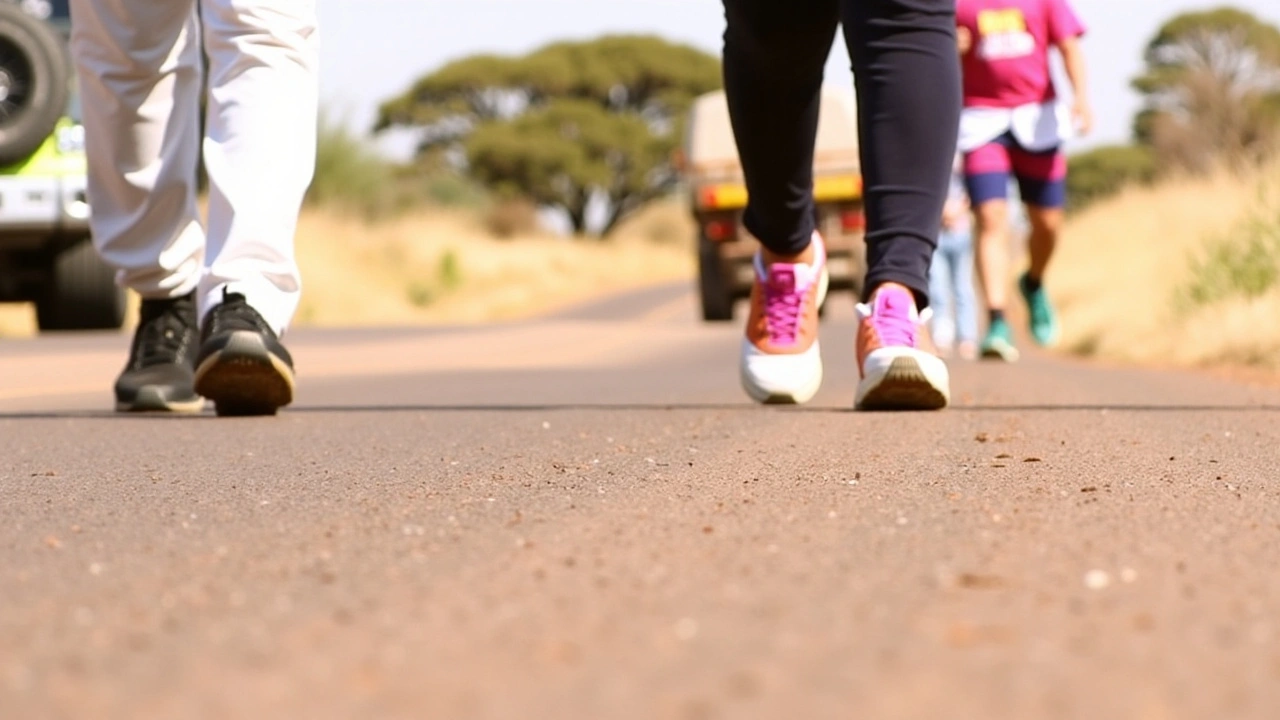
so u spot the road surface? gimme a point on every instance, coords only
(583, 517)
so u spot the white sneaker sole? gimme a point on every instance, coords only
(790, 379)
(903, 379)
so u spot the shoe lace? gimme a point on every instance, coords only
(892, 320)
(783, 302)
(234, 313)
(163, 332)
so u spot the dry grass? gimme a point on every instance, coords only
(1122, 270)
(445, 267)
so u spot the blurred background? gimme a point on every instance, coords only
(493, 159)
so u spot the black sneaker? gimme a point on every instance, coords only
(160, 373)
(242, 367)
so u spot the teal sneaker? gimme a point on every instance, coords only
(1044, 322)
(998, 344)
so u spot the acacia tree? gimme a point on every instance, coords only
(566, 125)
(1211, 89)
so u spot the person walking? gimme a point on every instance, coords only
(1014, 124)
(908, 88)
(954, 321)
(216, 296)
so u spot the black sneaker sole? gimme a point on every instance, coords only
(244, 378)
(154, 398)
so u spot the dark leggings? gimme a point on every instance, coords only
(908, 83)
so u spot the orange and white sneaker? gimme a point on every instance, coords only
(781, 363)
(896, 374)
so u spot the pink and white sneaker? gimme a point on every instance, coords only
(780, 360)
(897, 375)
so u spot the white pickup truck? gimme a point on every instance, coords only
(713, 176)
(45, 253)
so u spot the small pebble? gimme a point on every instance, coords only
(1097, 579)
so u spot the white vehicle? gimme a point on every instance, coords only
(46, 256)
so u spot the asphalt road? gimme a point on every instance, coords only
(583, 517)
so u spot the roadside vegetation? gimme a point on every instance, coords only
(523, 164)
(1184, 272)
(442, 265)
(1172, 250)
(386, 243)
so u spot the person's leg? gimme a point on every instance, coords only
(942, 324)
(992, 251)
(259, 151)
(1042, 183)
(259, 148)
(773, 60)
(988, 170)
(139, 73)
(966, 307)
(1046, 224)
(908, 80)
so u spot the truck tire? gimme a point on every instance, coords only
(713, 289)
(80, 293)
(35, 83)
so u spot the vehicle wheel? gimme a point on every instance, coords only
(35, 83)
(714, 291)
(81, 293)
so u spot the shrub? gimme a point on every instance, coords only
(448, 188)
(351, 176)
(511, 218)
(1104, 171)
(448, 277)
(1243, 262)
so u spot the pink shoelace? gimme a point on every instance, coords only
(783, 301)
(891, 317)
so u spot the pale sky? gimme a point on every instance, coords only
(374, 49)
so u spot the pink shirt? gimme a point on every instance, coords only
(1007, 64)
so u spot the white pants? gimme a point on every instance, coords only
(141, 75)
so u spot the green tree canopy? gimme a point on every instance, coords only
(1211, 88)
(564, 125)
